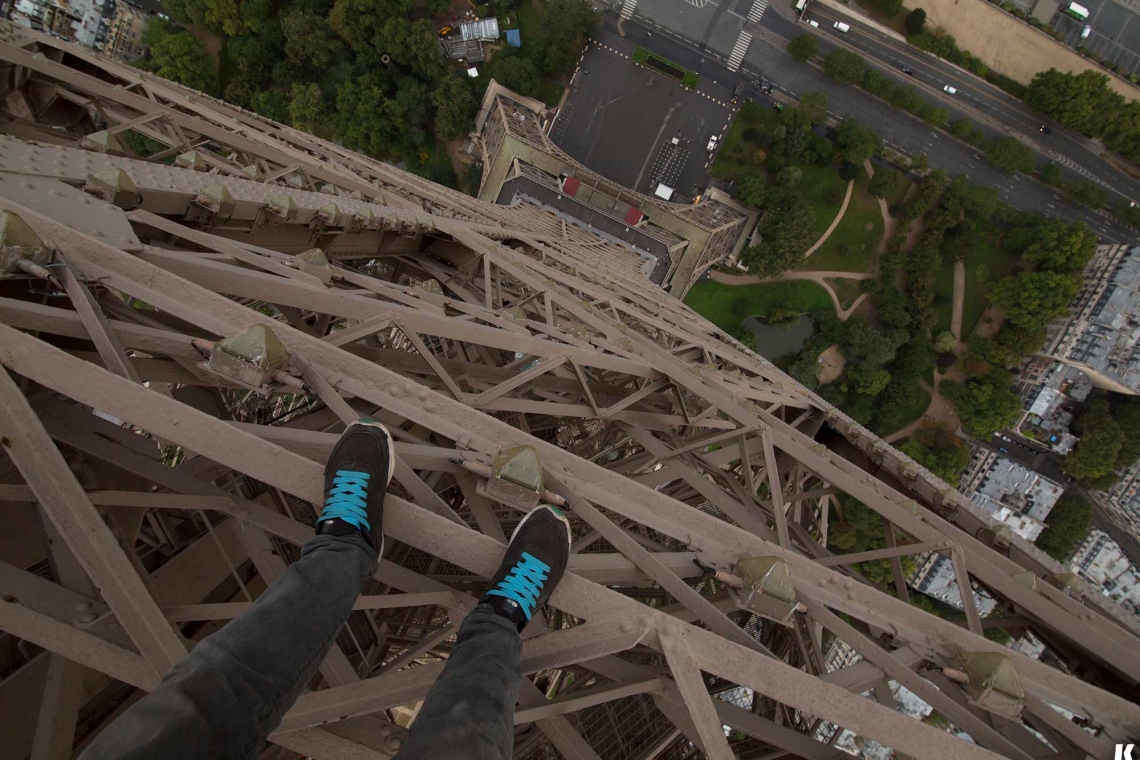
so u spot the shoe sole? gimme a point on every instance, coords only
(557, 514)
(368, 422)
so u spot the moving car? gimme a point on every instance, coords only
(908, 71)
(813, 23)
(950, 90)
(842, 27)
(738, 92)
(1046, 129)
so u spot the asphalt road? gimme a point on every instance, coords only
(621, 120)
(766, 58)
(1073, 152)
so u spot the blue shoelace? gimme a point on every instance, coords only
(348, 499)
(523, 583)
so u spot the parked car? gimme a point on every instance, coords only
(950, 90)
(712, 143)
(1086, 32)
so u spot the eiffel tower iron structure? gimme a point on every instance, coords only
(183, 336)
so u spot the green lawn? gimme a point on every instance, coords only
(851, 246)
(731, 164)
(726, 306)
(821, 186)
(896, 199)
(987, 256)
(641, 56)
(944, 295)
(846, 289)
(549, 90)
(903, 416)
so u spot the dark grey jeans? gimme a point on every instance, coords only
(230, 692)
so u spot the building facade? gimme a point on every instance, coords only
(125, 36)
(1100, 334)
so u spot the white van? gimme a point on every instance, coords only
(842, 27)
(814, 23)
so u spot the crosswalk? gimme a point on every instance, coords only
(627, 9)
(736, 57)
(738, 50)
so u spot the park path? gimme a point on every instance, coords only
(817, 277)
(834, 222)
(940, 410)
(959, 299)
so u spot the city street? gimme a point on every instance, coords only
(703, 39)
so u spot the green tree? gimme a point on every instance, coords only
(1090, 194)
(517, 73)
(915, 21)
(886, 182)
(178, 56)
(235, 18)
(272, 104)
(1051, 175)
(1066, 527)
(1062, 247)
(359, 22)
(803, 47)
(1033, 299)
(935, 447)
(1078, 101)
(790, 176)
(752, 191)
(455, 108)
(869, 381)
(845, 66)
(368, 120)
(563, 29)
(306, 106)
(945, 342)
(813, 106)
(309, 38)
(1011, 154)
(984, 404)
(856, 142)
(787, 228)
(1095, 456)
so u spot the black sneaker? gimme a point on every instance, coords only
(536, 559)
(356, 478)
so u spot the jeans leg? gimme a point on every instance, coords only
(469, 712)
(230, 692)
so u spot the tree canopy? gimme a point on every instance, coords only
(1033, 299)
(984, 404)
(845, 66)
(562, 30)
(1011, 154)
(177, 55)
(935, 447)
(1062, 247)
(803, 47)
(1094, 458)
(856, 142)
(787, 228)
(915, 21)
(1066, 527)
(887, 182)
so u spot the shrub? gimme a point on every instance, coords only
(915, 21)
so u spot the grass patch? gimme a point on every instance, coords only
(665, 67)
(903, 415)
(727, 306)
(988, 257)
(897, 198)
(944, 295)
(550, 92)
(846, 290)
(851, 246)
(821, 187)
(528, 14)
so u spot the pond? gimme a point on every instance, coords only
(774, 342)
